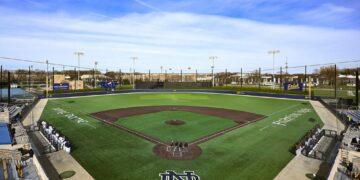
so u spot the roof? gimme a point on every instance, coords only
(4, 134)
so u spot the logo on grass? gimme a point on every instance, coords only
(172, 175)
(288, 118)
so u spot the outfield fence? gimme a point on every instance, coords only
(334, 82)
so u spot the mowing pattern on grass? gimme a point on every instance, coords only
(111, 116)
(237, 116)
(250, 152)
(146, 122)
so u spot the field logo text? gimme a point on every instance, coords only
(288, 118)
(172, 175)
(72, 117)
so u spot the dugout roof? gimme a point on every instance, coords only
(4, 134)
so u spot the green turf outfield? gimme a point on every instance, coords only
(196, 125)
(256, 151)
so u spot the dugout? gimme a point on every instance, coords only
(5, 137)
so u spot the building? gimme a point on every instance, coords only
(61, 78)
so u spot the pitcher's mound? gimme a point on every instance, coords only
(175, 122)
(164, 151)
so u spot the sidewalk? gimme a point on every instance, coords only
(300, 165)
(63, 162)
(35, 114)
(329, 120)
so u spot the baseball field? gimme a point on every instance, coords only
(238, 137)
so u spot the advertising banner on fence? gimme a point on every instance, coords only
(108, 85)
(292, 86)
(61, 86)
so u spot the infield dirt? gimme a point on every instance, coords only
(240, 117)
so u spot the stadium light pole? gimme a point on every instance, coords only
(273, 52)
(133, 61)
(212, 68)
(189, 68)
(78, 54)
(172, 73)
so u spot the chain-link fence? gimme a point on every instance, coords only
(336, 83)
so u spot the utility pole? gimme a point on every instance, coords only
(93, 84)
(241, 78)
(53, 77)
(196, 75)
(280, 78)
(225, 77)
(161, 72)
(120, 83)
(259, 77)
(181, 75)
(305, 81)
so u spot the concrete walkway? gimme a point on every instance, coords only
(298, 167)
(35, 115)
(329, 120)
(63, 161)
(301, 165)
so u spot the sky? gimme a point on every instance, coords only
(178, 34)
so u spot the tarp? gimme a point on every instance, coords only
(4, 134)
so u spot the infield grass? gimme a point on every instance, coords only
(256, 151)
(196, 125)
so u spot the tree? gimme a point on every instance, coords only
(328, 73)
(111, 75)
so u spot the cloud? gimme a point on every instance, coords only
(172, 40)
(143, 3)
(327, 14)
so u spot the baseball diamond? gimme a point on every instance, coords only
(179, 90)
(241, 119)
(126, 135)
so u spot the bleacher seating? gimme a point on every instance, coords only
(13, 110)
(353, 114)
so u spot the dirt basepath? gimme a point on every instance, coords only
(237, 116)
(240, 117)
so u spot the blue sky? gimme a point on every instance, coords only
(180, 33)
